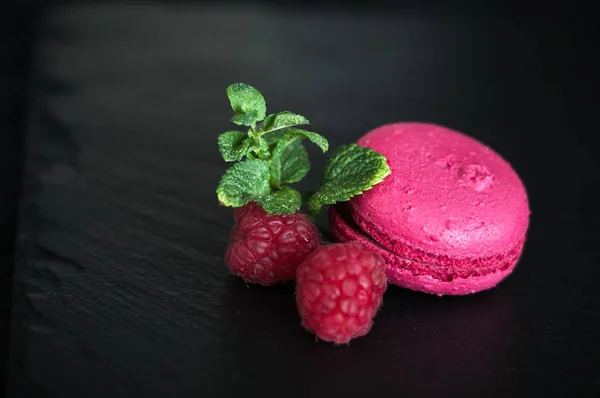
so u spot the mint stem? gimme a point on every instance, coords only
(256, 139)
(274, 184)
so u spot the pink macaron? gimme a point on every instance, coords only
(451, 218)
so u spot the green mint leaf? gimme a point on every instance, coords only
(274, 136)
(282, 120)
(291, 166)
(247, 103)
(284, 201)
(243, 182)
(245, 119)
(234, 145)
(295, 135)
(350, 171)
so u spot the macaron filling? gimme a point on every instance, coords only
(403, 250)
(417, 262)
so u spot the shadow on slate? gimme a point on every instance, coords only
(121, 288)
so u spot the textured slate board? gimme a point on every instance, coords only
(120, 288)
(13, 73)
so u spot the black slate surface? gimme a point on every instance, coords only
(14, 68)
(120, 288)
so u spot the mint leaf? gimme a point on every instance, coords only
(291, 166)
(295, 135)
(274, 125)
(274, 136)
(350, 171)
(282, 120)
(243, 182)
(284, 201)
(245, 119)
(234, 145)
(247, 103)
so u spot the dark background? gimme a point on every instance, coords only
(112, 110)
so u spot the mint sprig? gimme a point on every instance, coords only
(271, 155)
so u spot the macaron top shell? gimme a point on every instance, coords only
(447, 194)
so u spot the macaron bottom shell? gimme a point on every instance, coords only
(424, 277)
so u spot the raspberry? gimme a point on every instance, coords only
(339, 289)
(267, 248)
